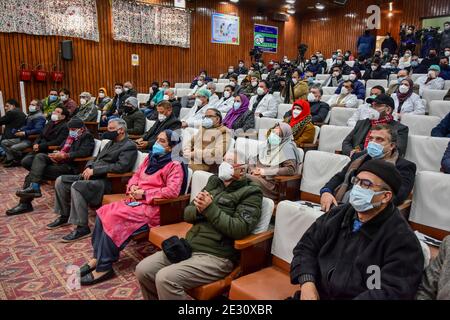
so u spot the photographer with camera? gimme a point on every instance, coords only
(408, 39)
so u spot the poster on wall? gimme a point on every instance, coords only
(225, 29)
(266, 38)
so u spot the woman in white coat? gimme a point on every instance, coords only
(406, 101)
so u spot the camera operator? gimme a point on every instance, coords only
(408, 39)
(296, 88)
(429, 38)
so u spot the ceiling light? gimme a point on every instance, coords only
(290, 1)
(291, 11)
(234, 1)
(320, 6)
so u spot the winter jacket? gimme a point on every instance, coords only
(442, 130)
(341, 263)
(48, 107)
(35, 123)
(88, 112)
(13, 119)
(81, 148)
(53, 134)
(171, 123)
(233, 214)
(245, 122)
(446, 160)
(365, 45)
(359, 91)
(319, 111)
(135, 120)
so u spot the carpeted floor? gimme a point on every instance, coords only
(34, 263)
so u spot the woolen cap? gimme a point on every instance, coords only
(386, 171)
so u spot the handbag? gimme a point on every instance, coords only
(176, 249)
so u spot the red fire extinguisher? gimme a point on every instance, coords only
(56, 76)
(39, 73)
(24, 72)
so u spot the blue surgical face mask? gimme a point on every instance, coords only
(401, 79)
(375, 150)
(274, 139)
(73, 133)
(207, 123)
(158, 149)
(52, 98)
(414, 64)
(236, 105)
(361, 199)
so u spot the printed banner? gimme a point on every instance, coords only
(266, 38)
(225, 29)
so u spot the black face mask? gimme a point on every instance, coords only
(155, 88)
(128, 109)
(432, 55)
(110, 135)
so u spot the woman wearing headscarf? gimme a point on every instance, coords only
(161, 176)
(240, 118)
(279, 156)
(102, 99)
(300, 121)
(406, 101)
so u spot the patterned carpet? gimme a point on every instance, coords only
(34, 262)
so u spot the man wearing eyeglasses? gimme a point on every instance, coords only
(363, 250)
(382, 144)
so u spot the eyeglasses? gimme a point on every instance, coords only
(364, 183)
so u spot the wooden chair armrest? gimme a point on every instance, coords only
(120, 175)
(134, 136)
(103, 129)
(309, 145)
(83, 159)
(252, 240)
(288, 178)
(159, 202)
(338, 152)
(405, 208)
(92, 123)
(53, 148)
(247, 134)
(33, 136)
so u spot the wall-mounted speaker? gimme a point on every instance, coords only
(66, 50)
(277, 16)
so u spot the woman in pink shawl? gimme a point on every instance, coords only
(159, 177)
(240, 118)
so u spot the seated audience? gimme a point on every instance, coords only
(415, 65)
(129, 90)
(42, 166)
(348, 56)
(382, 145)
(115, 106)
(300, 121)
(298, 88)
(340, 63)
(50, 103)
(431, 81)
(176, 105)
(442, 130)
(34, 125)
(375, 72)
(333, 259)
(102, 99)
(166, 120)
(87, 111)
(251, 88)
(240, 118)
(446, 160)
(401, 75)
(445, 69)
(314, 66)
(14, 118)
(229, 73)
(279, 156)
(203, 77)
(360, 88)
(134, 118)
(189, 101)
(156, 95)
(358, 139)
(428, 61)
(216, 225)
(241, 69)
(435, 283)
(319, 109)
(160, 176)
(68, 102)
(195, 116)
(362, 64)
(209, 145)
(225, 103)
(335, 79)
(406, 101)
(237, 89)
(75, 192)
(365, 111)
(404, 62)
(264, 104)
(346, 99)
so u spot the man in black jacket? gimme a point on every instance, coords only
(358, 139)
(75, 192)
(117, 104)
(134, 117)
(166, 120)
(79, 144)
(14, 118)
(382, 145)
(319, 109)
(364, 250)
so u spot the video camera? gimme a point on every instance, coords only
(256, 53)
(302, 48)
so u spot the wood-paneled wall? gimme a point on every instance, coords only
(101, 64)
(333, 30)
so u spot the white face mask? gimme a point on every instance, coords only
(374, 114)
(226, 94)
(447, 53)
(344, 91)
(161, 117)
(352, 77)
(199, 83)
(432, 74)
(198, 102)
(296, 112)
(260, 91)
(226, 171)
(254, 83)
(311, 97)
(294, 80)
(55, 117)
(335, 74)
(230, 70)
(241, 65)
(374, 68)
(83, 101)
(233, 84)
(63, 98)
(166, 97)
(118, 91)
(101, 95)
(32, 108)
(403, 89)
(126, 89)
